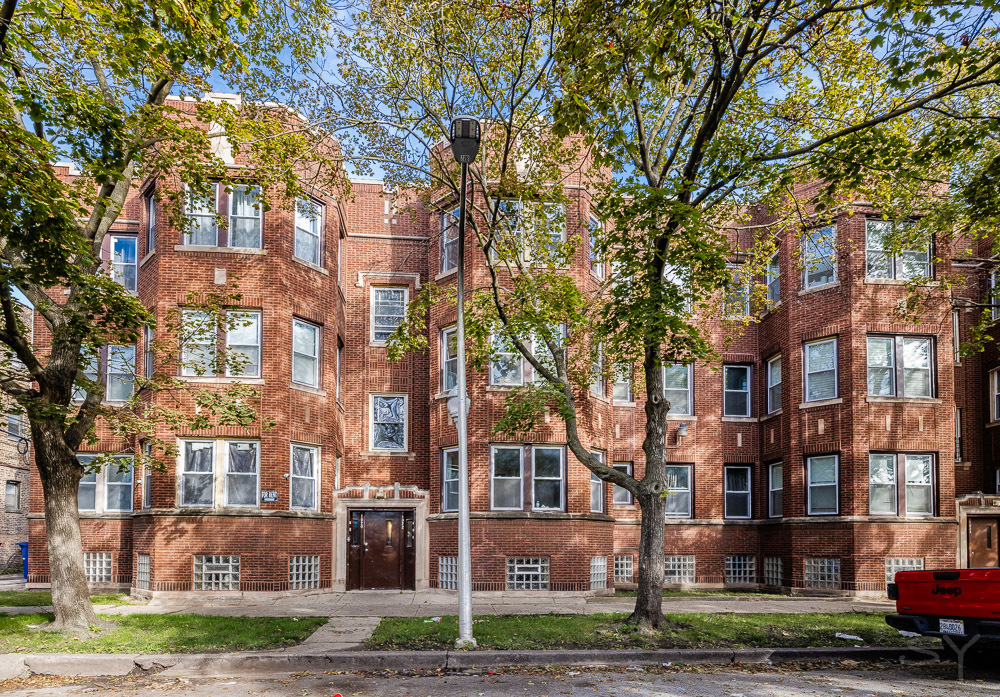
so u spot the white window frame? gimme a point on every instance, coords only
(748, 391)
(562, 477)
(622, 379)
(259, 217)
(773, 278)
(371, 308)
(219, 473)
(597, 263)
(147, 476)
(449, 221)
(748, 492)
(292, 477)
(115, 264)
(513, 352)
(227, 474)
(812, 256)
(810, 486)
(994, 300)
(446, 481)
(147, 355)
(15, 487)
(318, 344)
(958, 434)
(340, 369)
(900, 496)
(956, 336)
(771, 385)
(182, 471)
(371, 421)
(898, 367)
(896, 262)
(494, 477)
(995, 394)
(520, 236)
(311, 227)
(210, 358)
(150, 223)
(102, 484)
(597, 486)
(620, 496)
(836, 369)
(772, 489)
(214, 214)
(690, 389)
(238, 316)
(597, 382)
(446, 333)
(124, 378)
(741, 287)
(689, 513)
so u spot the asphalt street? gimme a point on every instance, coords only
(908, 681)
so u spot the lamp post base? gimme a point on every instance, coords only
(465, 644)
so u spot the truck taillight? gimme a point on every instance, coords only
(893, 591)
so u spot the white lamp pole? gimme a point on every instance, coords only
(465, 136)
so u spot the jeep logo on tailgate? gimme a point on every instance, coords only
(953, 591)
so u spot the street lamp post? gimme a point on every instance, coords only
(465, 137)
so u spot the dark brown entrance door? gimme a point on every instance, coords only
(983, 543)
(381, 550)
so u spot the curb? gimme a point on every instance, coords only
(246, 664)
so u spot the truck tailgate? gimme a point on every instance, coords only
(957, 593)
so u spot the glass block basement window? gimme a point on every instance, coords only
(448, 573)
(822, 572)
(598, 573)
(623, 568)
(142, 572)
(303, 573)
(774, 572)
(527, 573)
(894, 564)
(97, 567)
(741, 568)
(678, 569)
(216, 573)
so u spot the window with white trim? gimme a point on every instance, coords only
(199, 343)
(895, 564)
(449, 240)
(527, 573)
(449, 358)
(198, 473)
(822, 572)
(12, 497)
(741, 568)
(995, 394)
(389, 422)
(245, 217)
(309, 231)
(677, 387)
(305, 353)
(994, 297)
(905, 264)
(242, 487)
(914, 498)
(449, 479)
(147, 475)
(736, 390)
(775, 489)
(597, 487)
(621, 390)
(124, 262)
(121, 373)
(90, 366)
(304, 477)
(547, 478)
(507, 471)
(507, 365)
(202, 212)
(956, 336)
(900, 365)
(774, 384)
(773, 279)
(16, 427)
(820, 370)
(534, 230)
(958, 434)
(150, 223)
(216, 573)
(736, 303)
(97, 567)
(388, 311)
(678, 569)
(108, 488)
(822, 477)
(148, 355)
(595, 228)
(340, 368)
(597, 385)
(243, 344)
(620, 496)
(303, 572)
(678, 491)
(540, 350)
(737, 491)
(819, 256)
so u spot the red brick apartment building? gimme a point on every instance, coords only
(831, 447)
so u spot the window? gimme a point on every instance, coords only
(958, 434)
(736, 304)
(388, 430)
(304, 475)
(12, 496)
(142, 572)
(598, 573)
(596, 487)
(243, 344)
(121, 373)
(198, 473)
(678, 569)
(821, 370)
(677, 387)
(540, 350)
(741, 568)
(956, 336)
(244, 217)
(340, 365)
(621, 390)
(108, 488)
(736, 390)
(819, 256)
(90, 367)
(340, 260)
(308, 227)
(201, 210)
(147, 475)
(597, 386)
(620, 496)
(821, 572)
(449, 240)
(449, 488)
(303, 572)
(547, 478)
(773, 279)
(216, 573)
(150, 223)
(822, 476)
(199, 345)
(995, 393)
(124, 265)
(774, 574)
(774, 385)
(535, 230)
(775, 490)
(895, 564)
(527, 573)
(915, 498)
(449, 358)
(97, 567)
(994, 300)
(623, 568)
(148, 355)
(679, 278)
(242, 474)
(596, 259)
(905, 264)
(305, 353)
(900, 365)
(678, 499)
(507, 464)
(448, 573)
(388, 311)
(507, 366)
(737, 481)
(15, 426)
(86, 496)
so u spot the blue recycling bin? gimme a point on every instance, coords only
(24, 557)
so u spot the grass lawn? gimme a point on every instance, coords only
(675, 593)
(43, 598)
(702, 630)
(159, 634)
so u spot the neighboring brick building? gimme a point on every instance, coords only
(14, 468)
(828, 461)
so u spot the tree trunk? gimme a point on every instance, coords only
(60, 473)
(648, 610)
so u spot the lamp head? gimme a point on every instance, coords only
(682, 430)
(465, 136)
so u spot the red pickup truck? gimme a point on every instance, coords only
(960, 604)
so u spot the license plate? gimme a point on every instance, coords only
(952, 626)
